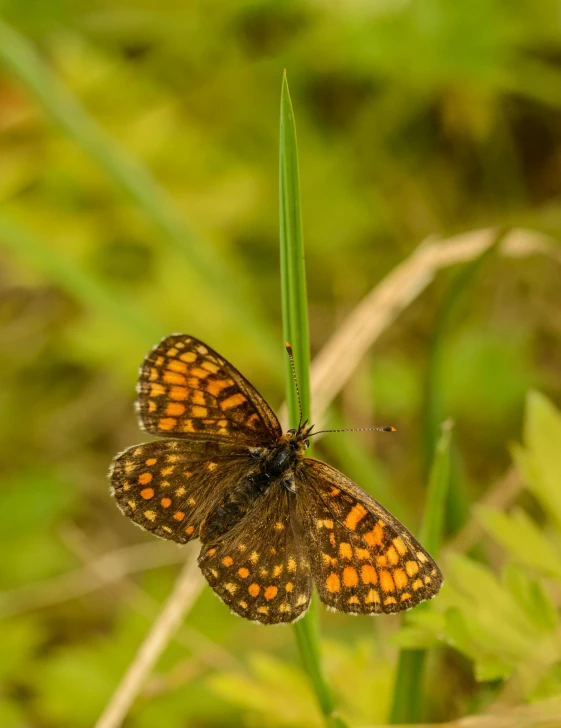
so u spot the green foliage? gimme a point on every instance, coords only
(508, 626)
(139, 194)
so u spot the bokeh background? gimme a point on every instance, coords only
(139, 189)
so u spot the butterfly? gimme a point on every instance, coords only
(272, 523)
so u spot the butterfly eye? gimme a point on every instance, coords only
(291, 432)
(306, 444)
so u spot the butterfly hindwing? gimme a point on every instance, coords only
(364, 560)
(169, 487)
(260, 568)
(187, 390)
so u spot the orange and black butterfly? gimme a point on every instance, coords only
(272, 522)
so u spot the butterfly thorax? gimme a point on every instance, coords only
(272, 467)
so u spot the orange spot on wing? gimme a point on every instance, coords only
(179, 393)
(400, 546)
(375, 537)
(187, 426)
(345, 550)
(350, 577)
(389, 600)
(243, 572)
(179, 515)
(151, 405)
(362, 554)
(254, 589)
(386, 581)
(174, 378)
(405, 596)
(175, 408)
(400, 578)
(147, 493)
(189, 530)
(145, 478)
(270, 593)
(177, 366)
(368, 574)
(234, 401)
(198, 411)
(198, 397)
(167, 423)
(417, 584)
(372, 597)
(353, 600)
(199, 373)
(411, 567)
(151, 461)
(188, 356)
(355, 515)
(215, 386)
(393, 558)
(333, 583)
(157, 390)
(166, 502)
(212, 368)
(289, 586)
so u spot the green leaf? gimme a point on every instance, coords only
(531, 597)
(523, 539)
(542, 436)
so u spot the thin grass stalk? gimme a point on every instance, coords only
(295, 328)
(408, 697)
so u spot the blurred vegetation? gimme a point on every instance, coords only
(414, 119)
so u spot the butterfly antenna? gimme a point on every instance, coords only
(388, 428)
(291, 357)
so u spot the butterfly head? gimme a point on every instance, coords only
(298, 439)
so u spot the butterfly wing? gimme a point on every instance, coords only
(187, 390)
(258, 568)
(363, 559)
(170, 486)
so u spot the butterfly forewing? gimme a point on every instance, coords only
(363, 559)
(169, 488)
(188, 390)
(260, 568)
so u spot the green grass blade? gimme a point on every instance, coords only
(408, 700)
(293, 270)
(222, 277)
(432, 531)
(295, 327)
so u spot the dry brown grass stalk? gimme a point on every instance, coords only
(341, 355)
(186, 589)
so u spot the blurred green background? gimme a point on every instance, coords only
(139, 188)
